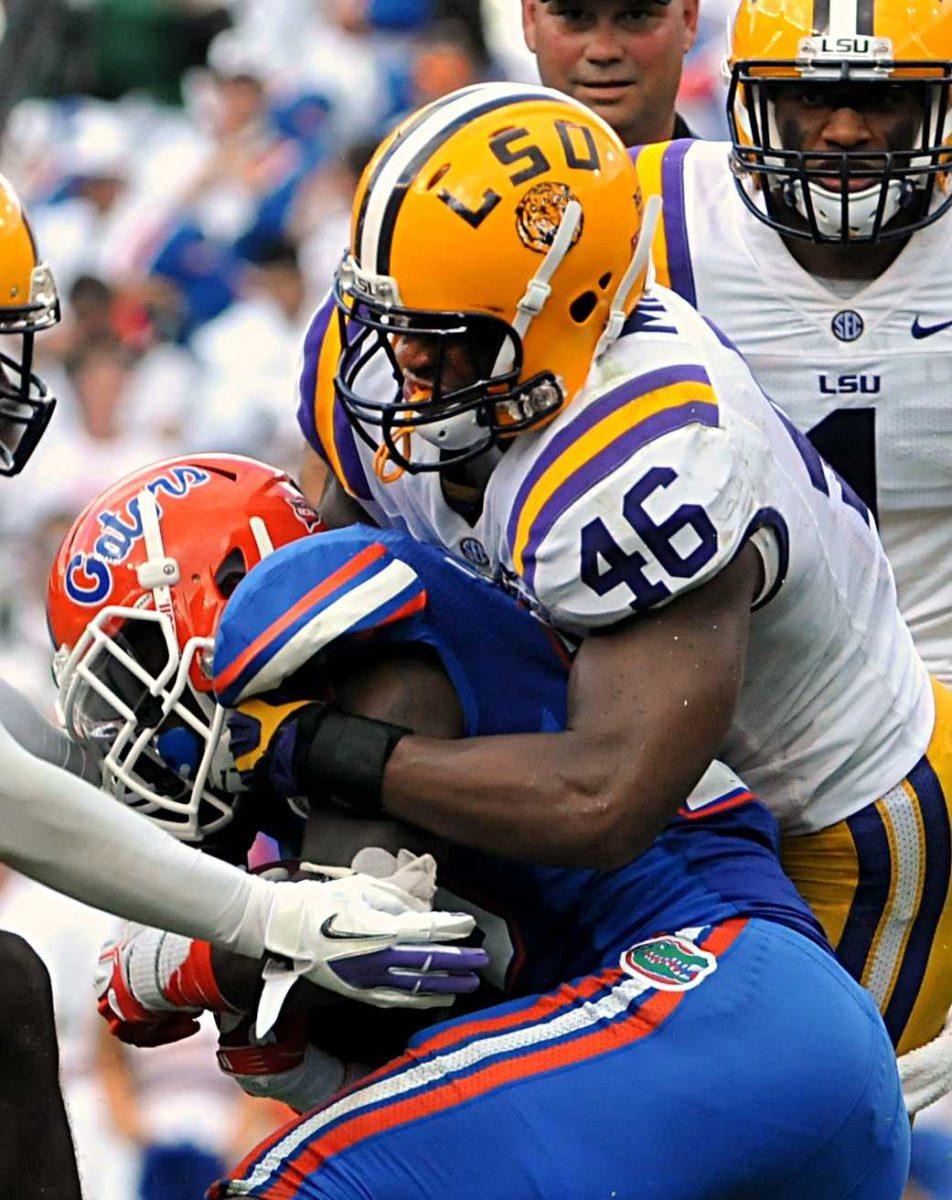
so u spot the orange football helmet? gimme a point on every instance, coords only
(28, 304)
(822, 46)
(133, 605)
(509, 218)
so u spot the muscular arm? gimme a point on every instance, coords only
(650, 703)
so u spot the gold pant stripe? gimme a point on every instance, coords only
(879, 883)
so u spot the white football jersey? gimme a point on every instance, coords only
(646, 485)
(866, 376)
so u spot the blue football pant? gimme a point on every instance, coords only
(772, 1076)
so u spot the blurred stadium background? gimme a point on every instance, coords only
(188, 167)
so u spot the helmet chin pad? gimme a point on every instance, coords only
(461, 432)
(861, 208)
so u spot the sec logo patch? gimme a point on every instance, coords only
(672, 964)
(473, 550)
(847, 325)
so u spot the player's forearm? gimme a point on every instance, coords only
(67, 834)
(558, 798)
(30, 728)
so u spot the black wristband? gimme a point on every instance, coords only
(345, 755)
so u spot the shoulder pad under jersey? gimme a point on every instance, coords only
(300, 599)
(638, 495)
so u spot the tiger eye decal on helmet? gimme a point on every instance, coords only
(819, 48)
(539, 214)
(502, 219)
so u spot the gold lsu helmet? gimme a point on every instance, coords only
(509, 217)
(825, 44)
(28, 304)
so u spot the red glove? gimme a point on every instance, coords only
(152, 985)
(283, 1065)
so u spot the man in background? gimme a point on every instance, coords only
(622, 58)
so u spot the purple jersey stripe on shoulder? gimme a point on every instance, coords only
(597, 411)
(695, 412)
(675, 221)
(313, 341)
(345, 439)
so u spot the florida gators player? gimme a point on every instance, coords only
(608, 456)
(619, 979)
(58, 829)
(134, 625)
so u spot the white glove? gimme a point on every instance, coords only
(414, 873)
(366, 939)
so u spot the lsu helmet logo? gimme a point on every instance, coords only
(539, 215)
(88, 576)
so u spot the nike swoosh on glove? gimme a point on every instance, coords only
(369, 940)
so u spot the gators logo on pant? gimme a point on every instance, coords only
(673, 964)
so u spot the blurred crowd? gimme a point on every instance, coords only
(188, 166)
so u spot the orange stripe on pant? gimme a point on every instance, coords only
(655, 1010)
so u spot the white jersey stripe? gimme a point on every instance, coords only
(329, 623)
(899, 813)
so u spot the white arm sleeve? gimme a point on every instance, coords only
(67, 834)
(35, 734)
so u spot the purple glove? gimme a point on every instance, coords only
(264, 738)
(420, 970)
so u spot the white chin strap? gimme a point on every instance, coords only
(639, 262)
(462, 431)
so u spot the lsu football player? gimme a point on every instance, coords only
(607, 454)
(601, 978)
(56, 827)
(816, 242)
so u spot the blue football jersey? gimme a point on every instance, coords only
(318, 597)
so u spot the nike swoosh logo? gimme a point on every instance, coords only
(924, 331)
(330, 930)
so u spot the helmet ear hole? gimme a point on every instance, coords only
(437, 176)
(231, 571)
(605, 280)
(582, 307)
